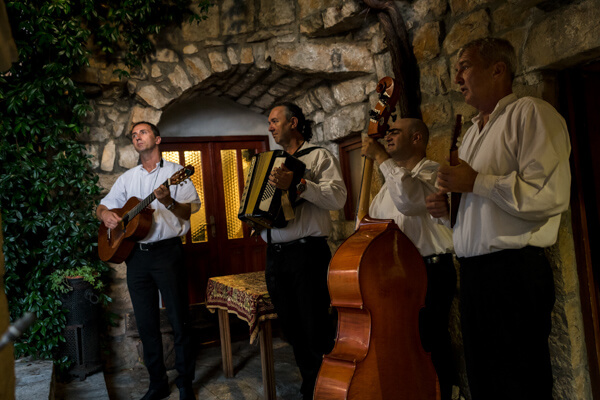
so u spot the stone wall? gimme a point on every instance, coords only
(327, 56)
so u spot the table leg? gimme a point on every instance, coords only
(225, 334)
(266, 359)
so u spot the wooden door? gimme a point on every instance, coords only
(218, 242)
(580, 88)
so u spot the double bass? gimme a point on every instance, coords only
(377, 281)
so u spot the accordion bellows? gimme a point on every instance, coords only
(261, 203)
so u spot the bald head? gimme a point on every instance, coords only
(406, 140)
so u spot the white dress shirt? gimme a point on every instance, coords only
(402, 198)
(523, 182)
(325, 191)
(137, 182)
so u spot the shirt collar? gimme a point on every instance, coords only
(141, 166)
(502, 104)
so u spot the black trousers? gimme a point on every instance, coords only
(506, 299)
(296, 276)
(433, 320)
(147, 273)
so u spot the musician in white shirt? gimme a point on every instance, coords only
(409, 179)
(515, 181)
(156, 263)
(298, 255)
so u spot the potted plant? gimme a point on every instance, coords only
(80, 291)
(62, 280)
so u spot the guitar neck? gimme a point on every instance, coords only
(143, 204)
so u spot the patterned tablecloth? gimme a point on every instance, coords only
(244, 295)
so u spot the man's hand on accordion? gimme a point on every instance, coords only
(281, 177)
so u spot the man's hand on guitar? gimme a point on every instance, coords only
(163, 194)
(281, 177)
(458, 179)
(437, 205)
(110, 219)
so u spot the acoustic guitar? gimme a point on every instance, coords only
(114, 245)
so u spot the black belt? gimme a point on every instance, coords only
(437, 258)
(156, 245)
(304, 240)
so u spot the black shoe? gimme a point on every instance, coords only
(157, 394)
(187, 393)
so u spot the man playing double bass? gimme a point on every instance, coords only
(298, 255)
(409, 179)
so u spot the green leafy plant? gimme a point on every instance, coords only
(48, 191)
(59, 279)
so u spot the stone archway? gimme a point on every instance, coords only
(326, 57)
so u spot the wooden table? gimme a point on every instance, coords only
(246, 296)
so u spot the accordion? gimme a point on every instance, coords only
(262, 204)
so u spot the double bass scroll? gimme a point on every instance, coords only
(389, 93)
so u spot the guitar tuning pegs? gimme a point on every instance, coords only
(373, 114)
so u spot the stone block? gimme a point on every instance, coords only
(120, 296)
(323, 57)
(276, 12)
(179, 79)
(463, 6)
(429, 9)
(344, 18)
(311, 25)
(246, 55)
(237, 17)
(383, 65)
(509, 16)
(108, 157)
(190, 49)
(99, 134)
(325, 97)
(219, 61)
(199, 70)
(436, 112)
(165, 55)
(426, 43)
(265, 101)
(352, 118)
(473, 26)
(106, 181)
(435, 77)
(155, 72)
(579, 37)
(308, 103)
(153, 97)
(259, 50)
(278, 90)
(148, 114)
(232, 56)
(93, 150)
(308, 7)
(128, 157)
(351, 91)
(198, 31)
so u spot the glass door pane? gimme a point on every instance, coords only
(231, 193)
(198, 220)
